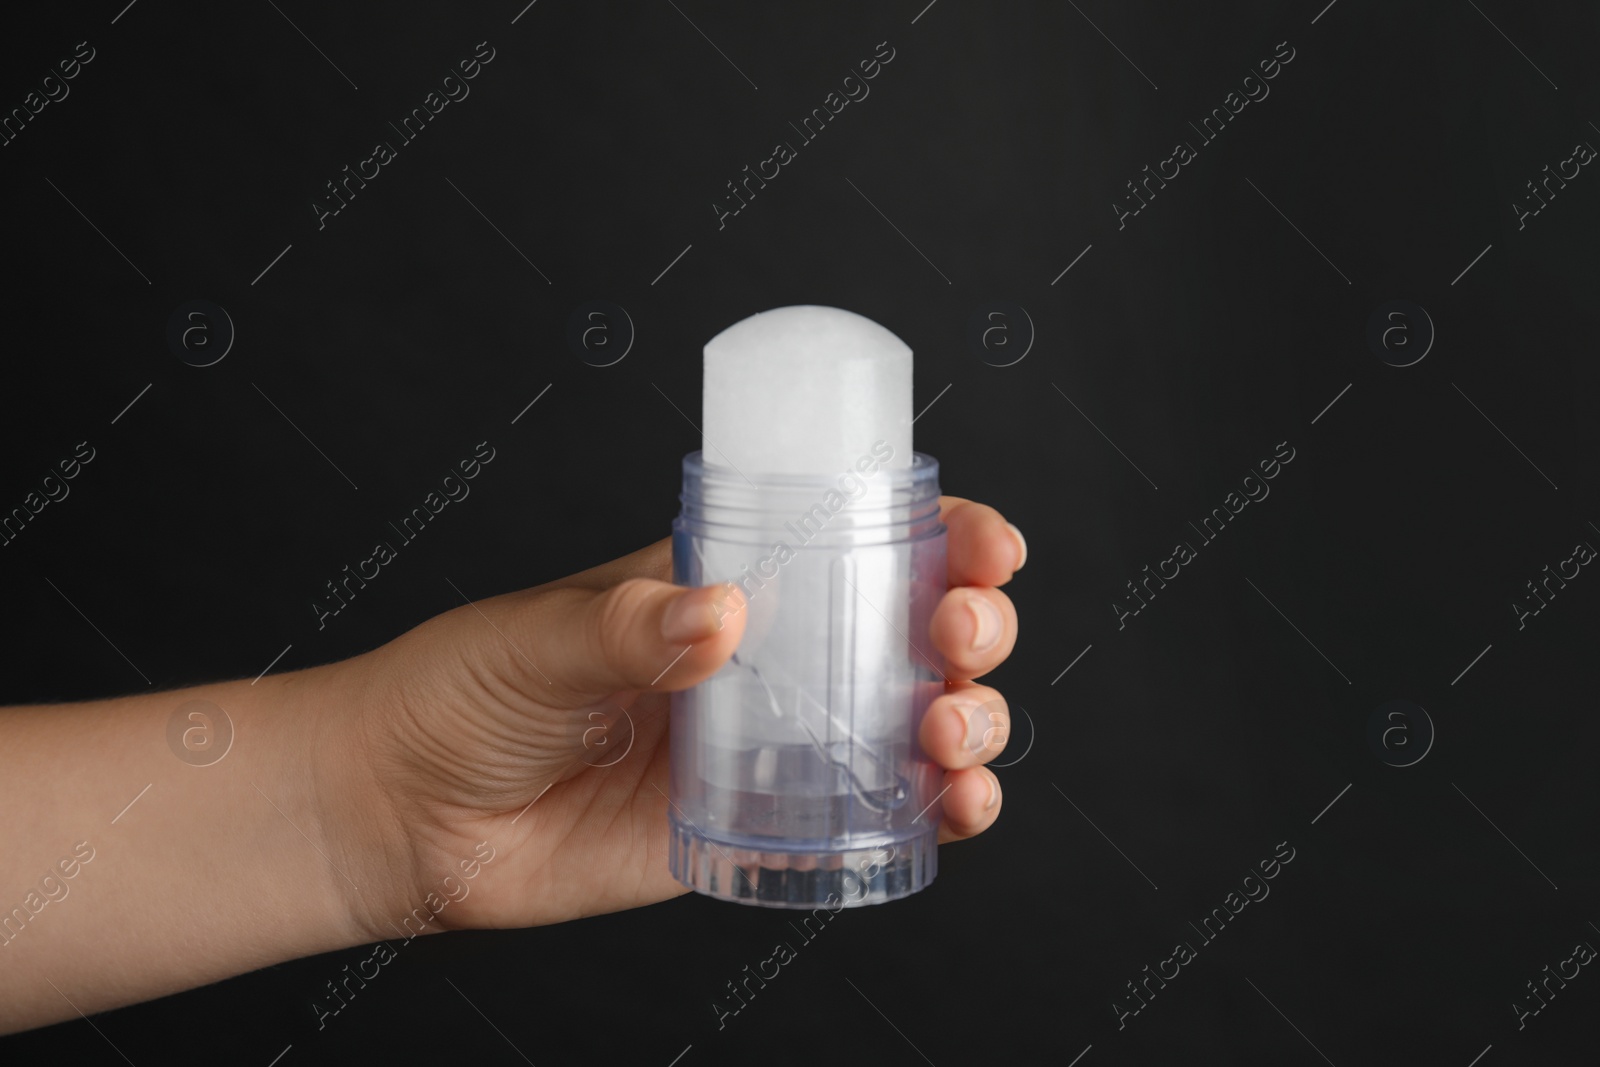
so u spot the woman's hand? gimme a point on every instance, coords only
(504, 764)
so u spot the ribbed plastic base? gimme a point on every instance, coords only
(852, 878)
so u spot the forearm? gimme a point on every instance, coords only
(130, 871)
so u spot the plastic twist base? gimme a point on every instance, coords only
(804, 880)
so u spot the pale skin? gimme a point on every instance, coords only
(352, 790)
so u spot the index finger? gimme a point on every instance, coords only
(983, 548)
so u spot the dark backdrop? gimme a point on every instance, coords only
(1162, 756)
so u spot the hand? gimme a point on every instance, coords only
(501, 722)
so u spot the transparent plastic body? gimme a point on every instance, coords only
(797, 777)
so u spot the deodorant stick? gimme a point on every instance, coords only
(797, 777)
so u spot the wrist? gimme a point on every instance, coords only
(339, 725)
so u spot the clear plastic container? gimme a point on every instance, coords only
(797, 777)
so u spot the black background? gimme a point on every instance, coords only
(1207, 330)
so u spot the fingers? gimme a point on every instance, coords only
(965, 727)
(975, 628)
(639, 634)
(971, 803)
(983, 548)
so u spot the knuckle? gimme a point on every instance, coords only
(616, 619)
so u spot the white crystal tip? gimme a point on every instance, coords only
(806, 390)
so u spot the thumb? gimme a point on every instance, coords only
(640, 634)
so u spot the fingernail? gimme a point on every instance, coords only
(973, 724)
(989, 624)
(1022, 546)
(693, 616)
(994, 790)
(985, 725)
